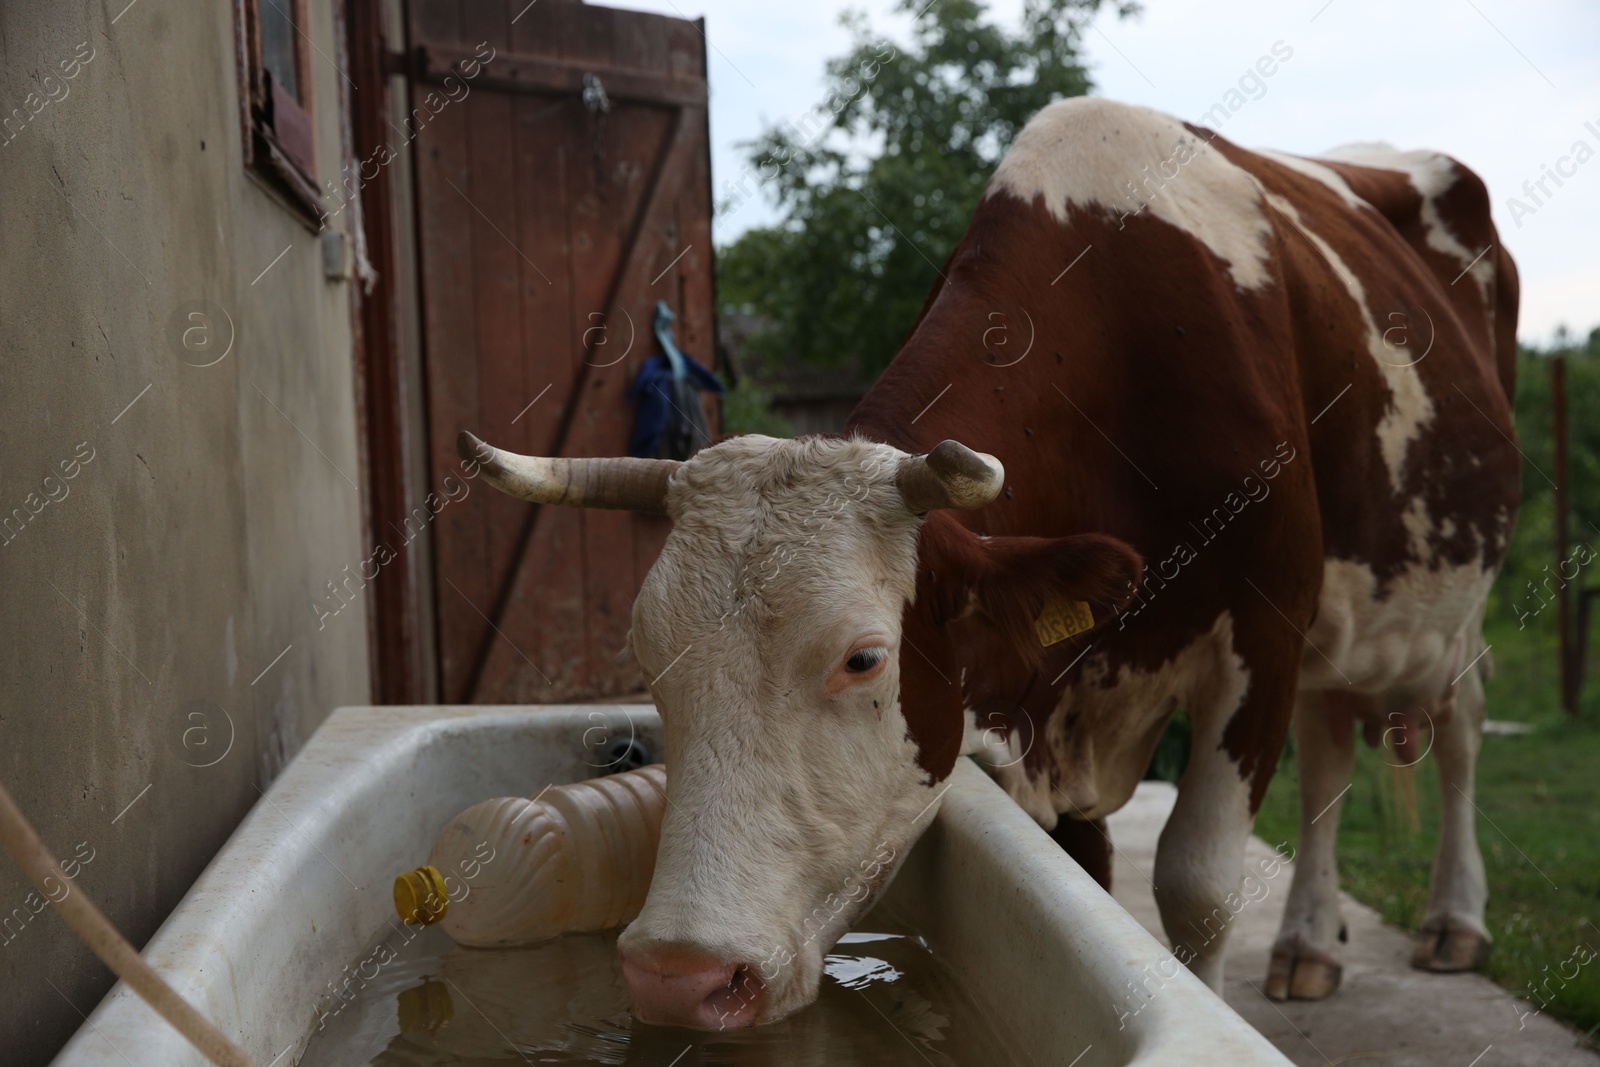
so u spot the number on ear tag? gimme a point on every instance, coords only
(1061, 619)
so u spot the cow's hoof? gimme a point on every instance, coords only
(1300, 973)
(1444, 947)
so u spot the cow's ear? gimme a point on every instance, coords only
(1033, 590)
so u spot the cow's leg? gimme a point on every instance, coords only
(1303, 966)
(1200, 860)
(1453, 935)
(1200, 856)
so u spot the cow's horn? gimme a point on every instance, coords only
(951, 476)
(621, 482)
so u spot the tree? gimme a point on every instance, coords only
(877, 184)
(1530, 556)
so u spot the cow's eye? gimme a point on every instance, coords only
(863, 660)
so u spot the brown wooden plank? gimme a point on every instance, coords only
(639, 138)
(447, 241)
(552, 621)
(687, 55)
(590, 36)
(544, 652)
(436, 22)
(699, 268)
(512, 186)
(509, 72)
(693, 275)
(686, 49)
(498, 266)
(541, 30)
(544, 135)
(482, 24)
(638, 45)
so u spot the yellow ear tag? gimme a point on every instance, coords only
(1060, 619)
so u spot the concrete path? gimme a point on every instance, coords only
(1385, 1014)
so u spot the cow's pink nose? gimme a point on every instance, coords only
(679, 989)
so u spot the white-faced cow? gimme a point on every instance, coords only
(1282, 383)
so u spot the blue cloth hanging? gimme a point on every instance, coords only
(668, 421)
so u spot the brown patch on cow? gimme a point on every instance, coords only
(1507, 296)
(1271, 651)
(1007, 581)
(994, 588)
(930, 690)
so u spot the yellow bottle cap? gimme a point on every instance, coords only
(420, 896)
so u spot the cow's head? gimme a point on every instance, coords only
(798, 652)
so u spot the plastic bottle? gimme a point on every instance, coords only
(514, 871)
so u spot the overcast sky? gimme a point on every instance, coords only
(1506, 86)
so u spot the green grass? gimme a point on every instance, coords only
(1539, 829)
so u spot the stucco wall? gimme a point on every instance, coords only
(144, 611)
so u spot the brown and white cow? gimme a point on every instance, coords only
(1283, 383)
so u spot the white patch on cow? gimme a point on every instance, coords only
(1410, 408)
(780, 796)
(1316, 171)
(1419, 526)
(1092, 153)
(1432, 174)
(1033, 792)
(1001, 752)
(1401, 639)
(1115, 723)
(977, 741)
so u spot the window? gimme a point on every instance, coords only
(275, 92)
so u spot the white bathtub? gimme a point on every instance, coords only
(304, 887)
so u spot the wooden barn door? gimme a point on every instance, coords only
(557, 201)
